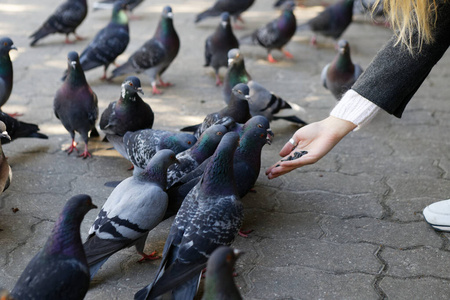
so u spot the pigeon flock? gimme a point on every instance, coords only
(198, 175)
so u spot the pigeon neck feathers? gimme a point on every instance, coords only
(119, 17)
(219, 171)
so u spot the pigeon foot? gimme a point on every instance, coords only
(72, 147)
(271, 59)
(245, 233)
(151, 256)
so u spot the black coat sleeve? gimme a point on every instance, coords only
(395, 74)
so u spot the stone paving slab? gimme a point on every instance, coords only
(348, 227)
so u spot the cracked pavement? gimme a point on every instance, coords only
(348, 227)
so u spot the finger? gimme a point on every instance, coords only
(288, 147)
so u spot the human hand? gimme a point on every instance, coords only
(313, 142)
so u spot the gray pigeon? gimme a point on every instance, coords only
(194, 156)
(238, 109)
(219, 282)
(332, 22)
(155, 56)
(6, 69)
(339, 75)
(75, 104)
(234, 7)
(261, 101)
(109, 42)
(210, 217)
(5, 169)
(59, 270)
(218, 44)
(134, 208)
(67, 17)
(129, 113)
(275, 34)
(141, 145)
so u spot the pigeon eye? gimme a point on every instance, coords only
(189, 142)
(5, 43)
(131, 84)
(219, 133)
(260, 126)
(263, 135)
(229, 257)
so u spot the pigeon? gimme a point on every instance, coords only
(6, 69)
(261, 101)
(237, 108)
(255, 134)
(59, 270)
(234, 7)
(76, 105)
(277, 33)
(155, 56)
(129, 113)
(219, 282)
(109, 4)
(109, 42)
(141, 145)
(194, 156)
(339, 75)
(236, 73)
(210, 217)
(18, 129)
(67, 17)
(5, 169)
(331, 22)
(218, 44)
(134, 208)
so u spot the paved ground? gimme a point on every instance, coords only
(349, 227)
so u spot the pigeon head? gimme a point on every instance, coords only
(179, 142)
(74, 70)
(167, 12)
(119, 15)
(222, 261)
(256, 132)
(156, 170)
(208, 141)
(130, 87)
(224, 19)
(241, 91)
(6, 44)
(288, 5)
(3, 132)
(234, 55)
(343, 47)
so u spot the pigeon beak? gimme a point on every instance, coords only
(247, 97)
(230, 61)
(224, 24)
(177, 161)
(237, 252)
(13, 47)
(342, 50)
(270, 136)
(170, 15)
(73, 64)
(139, 90)
(93, 206)
(5, 134)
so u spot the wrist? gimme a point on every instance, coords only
(338, 127)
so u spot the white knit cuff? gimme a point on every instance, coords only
(355, 108)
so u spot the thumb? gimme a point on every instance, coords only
(288, 147)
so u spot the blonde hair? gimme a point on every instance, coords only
(406, 16)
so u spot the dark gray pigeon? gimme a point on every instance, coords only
(255, 134)
(339, 75)
(261, 101)
(331, 22)
(234, 7)
(219, 282)
(59, 270)
(194, 156)
(67, 17)
(134, 208)
(210, 217)
(237, 108)
(218, 44)
(109, 42)
(275, 34)
(129, 113)
(75, 104)
(18, 129)
(140, 146)
(6, 69)
(155, 56)
(5, 169)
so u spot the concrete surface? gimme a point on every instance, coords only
(348, 227)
